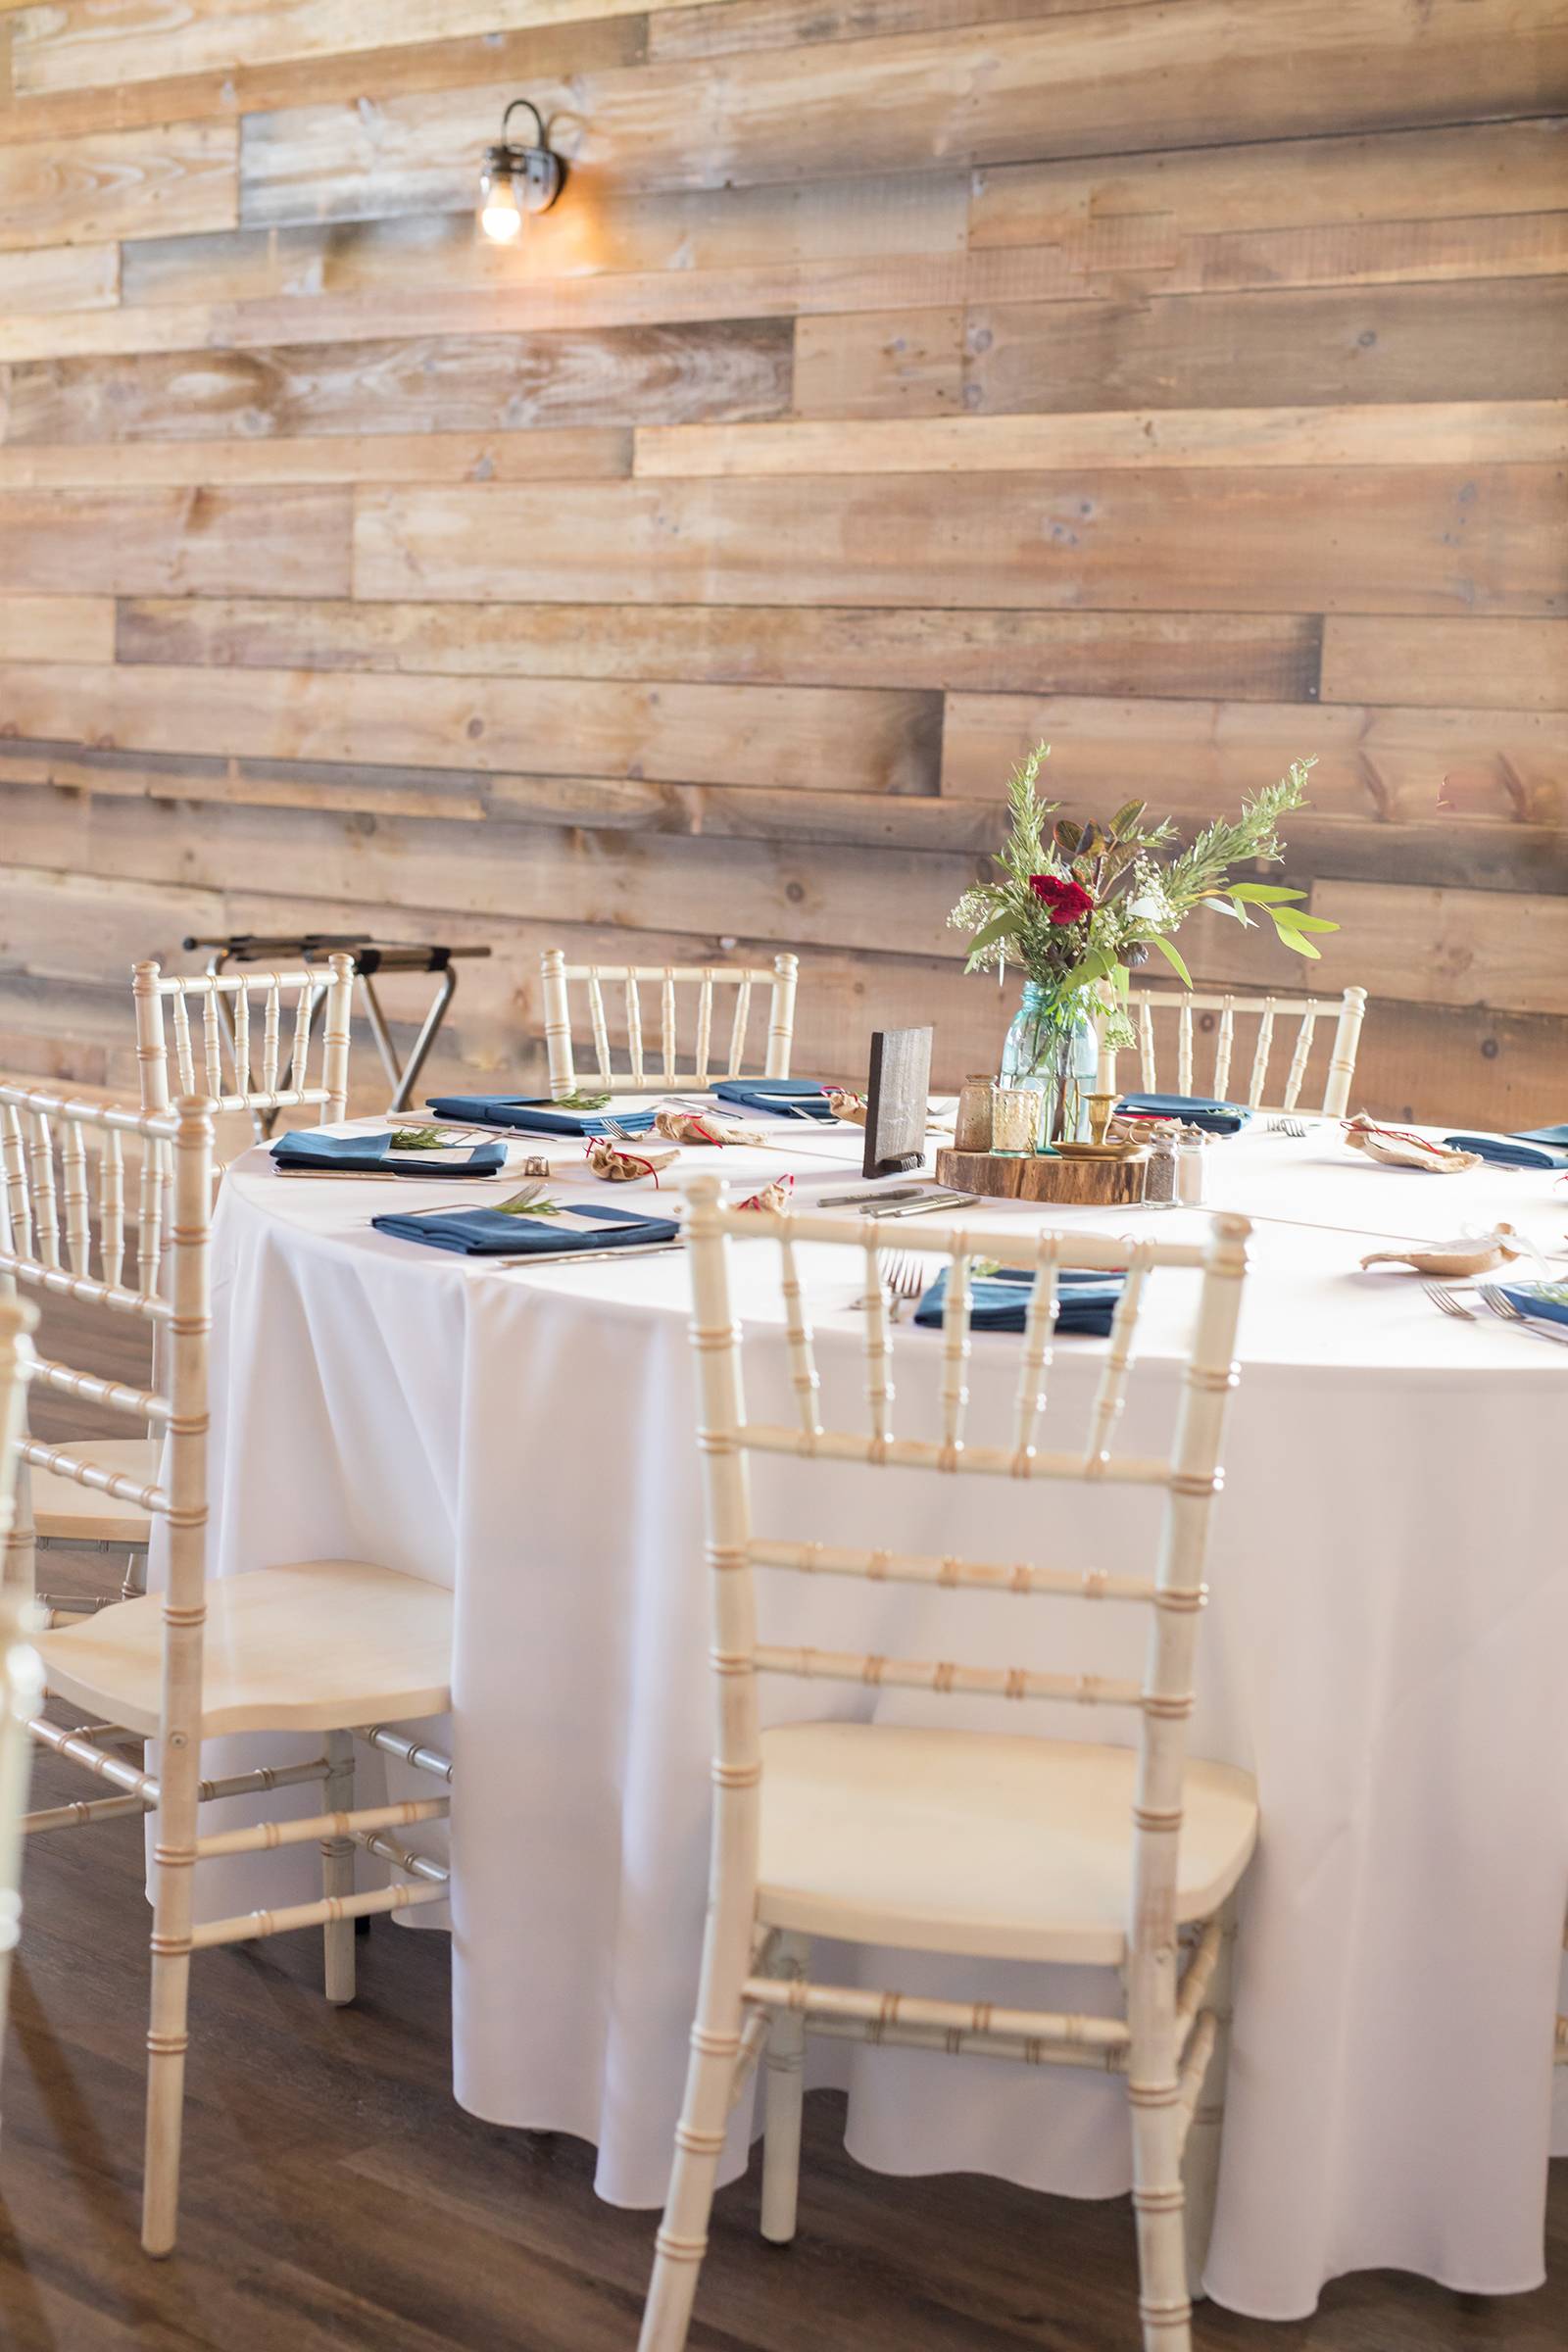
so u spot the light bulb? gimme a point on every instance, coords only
(500, 215)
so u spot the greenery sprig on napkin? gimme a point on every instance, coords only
(532, 1201)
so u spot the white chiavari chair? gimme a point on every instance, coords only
(249, 1051)
(20, 1674)
(633, 1062)
(133, 1174)
(257, 1027)
(1245, 1063)
(337, 1647)
(993, 1847)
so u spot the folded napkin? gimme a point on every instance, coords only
(1505, 1152)
(492, 1233)
(1542, 1135)
(531, 1114)
(1086, 1300)
(1532, 1300)
(786, 1098)
(307, 1148)
(1194, 1110)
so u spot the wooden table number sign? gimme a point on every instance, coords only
(897, 1096)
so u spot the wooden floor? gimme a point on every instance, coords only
(335, 2196)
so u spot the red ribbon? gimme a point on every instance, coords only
(785, 1183)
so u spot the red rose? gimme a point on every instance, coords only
(1066, 901)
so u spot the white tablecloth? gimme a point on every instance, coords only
(1385, 1650)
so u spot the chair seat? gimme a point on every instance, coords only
(64, 1513)
(993, 1845)
(321, 1646)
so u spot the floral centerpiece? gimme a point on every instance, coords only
(1078, 906)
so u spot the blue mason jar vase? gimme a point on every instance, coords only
(1052, 1047)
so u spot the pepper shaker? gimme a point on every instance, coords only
(1159, 1178)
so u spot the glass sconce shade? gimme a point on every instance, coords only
(516, 180)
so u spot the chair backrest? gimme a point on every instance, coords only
(20, 1674)
(245, 1014)
(1188, 1474)
(630, 1064)
(1151, 1008)
(63, 1234)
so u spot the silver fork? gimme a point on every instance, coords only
(1505, 1308)
(1296, 1128)
(1450, 1303)
(903, 1276)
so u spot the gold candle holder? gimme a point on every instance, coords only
(1102, 1109)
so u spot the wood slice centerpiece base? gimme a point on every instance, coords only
(1043, 1176)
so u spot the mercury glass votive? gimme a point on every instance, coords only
(971, 1131)
(1016, 1119)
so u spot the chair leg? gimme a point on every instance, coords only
(1158, 2203)
(337, 1868)
(133, 1583)
(784, 2077)
(682, 2238)
(173, 1870)
(1201, 2161)
(1153, 2097)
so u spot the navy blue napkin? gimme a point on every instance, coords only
(1533, 1300)
(1542, 1135)
(533, 1115)
(307, 1148)
(492, 1233)
(1194, 1110)
(1086, 1300)
(1505, 1153)
(786, 1098)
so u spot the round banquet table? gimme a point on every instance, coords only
(1385, 1650)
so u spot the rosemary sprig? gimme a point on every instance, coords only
(532, 1201)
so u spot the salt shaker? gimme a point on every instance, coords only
(1192, 1168)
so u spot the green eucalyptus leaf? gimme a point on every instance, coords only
(1172, 956)
(1001, 926)
(1264, 894)
(1299, 945)
(1288, 918)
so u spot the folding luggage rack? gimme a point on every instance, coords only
(372, 959)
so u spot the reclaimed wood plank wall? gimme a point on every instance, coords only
(897, 381)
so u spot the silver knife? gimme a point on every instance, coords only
(922, 1209)
(906, 1191)
(574, 1257)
